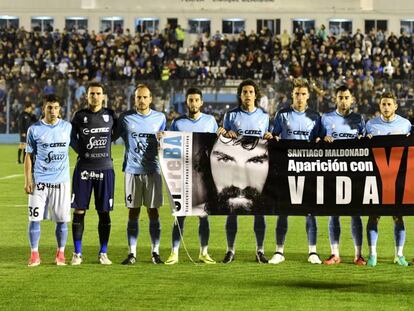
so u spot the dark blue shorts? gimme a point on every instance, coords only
(100, 181)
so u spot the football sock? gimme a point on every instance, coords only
(231, 231)
(373, 250)
(280, 248)
(312, 249)
(77, 231)
(19, 154)
(204, 250)
(399, 233)
(358, 252)
(334, 227)
(399, 251)
(311, 230)
(34, 235)
(155, 233)
(281, 230)
(104, 230)
(203, 231)
(356, 230)
(335, 249)
(259, 230)
(61, 233)
(176, 237)
(372, 232)
(132, 234)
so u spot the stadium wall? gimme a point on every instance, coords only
(215, 10)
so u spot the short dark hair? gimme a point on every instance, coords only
(342, 88)
(27, 104)
(143, 86)
(193, 90)
(389, 95)
(95, 84)
(256, 90)
(51, 98)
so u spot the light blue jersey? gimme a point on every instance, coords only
(294, 125)
(204, 124)
(342, 127)
(378, 127)
(50, 146)
(141, 145)
(254, 123)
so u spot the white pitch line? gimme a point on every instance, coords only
(11, 176)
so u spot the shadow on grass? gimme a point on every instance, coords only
(385, 287)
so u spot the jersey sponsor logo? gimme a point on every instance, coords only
(105, 117)
(86, 175)
(54, 145)
(250, 132)
(41, 186)
(141, 135)
(96, 155)
(298, 133)
(54, 157)
(343, 135)
(97, 130)
(97, 143)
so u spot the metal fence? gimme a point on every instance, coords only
(219, 96)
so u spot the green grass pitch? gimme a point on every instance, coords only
(241, 285)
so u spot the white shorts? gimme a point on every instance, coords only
(50, 201)
(143, 189)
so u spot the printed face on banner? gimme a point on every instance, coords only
(239, 168)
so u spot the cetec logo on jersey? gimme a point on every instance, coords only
(54, 145)
(298, 133)
(250, 132)
(54, 157)
(97, 143)
(343, 135)
(87, 131)
(141, 135)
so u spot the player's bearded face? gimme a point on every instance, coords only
(143, 99)
(344, 101)
(388, 107)
(194, 103)
(300, 97)
(239, 174)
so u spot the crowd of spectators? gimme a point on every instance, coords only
(61, 62)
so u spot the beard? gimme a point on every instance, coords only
(236, 200)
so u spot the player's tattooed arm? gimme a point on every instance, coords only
(28, 180)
